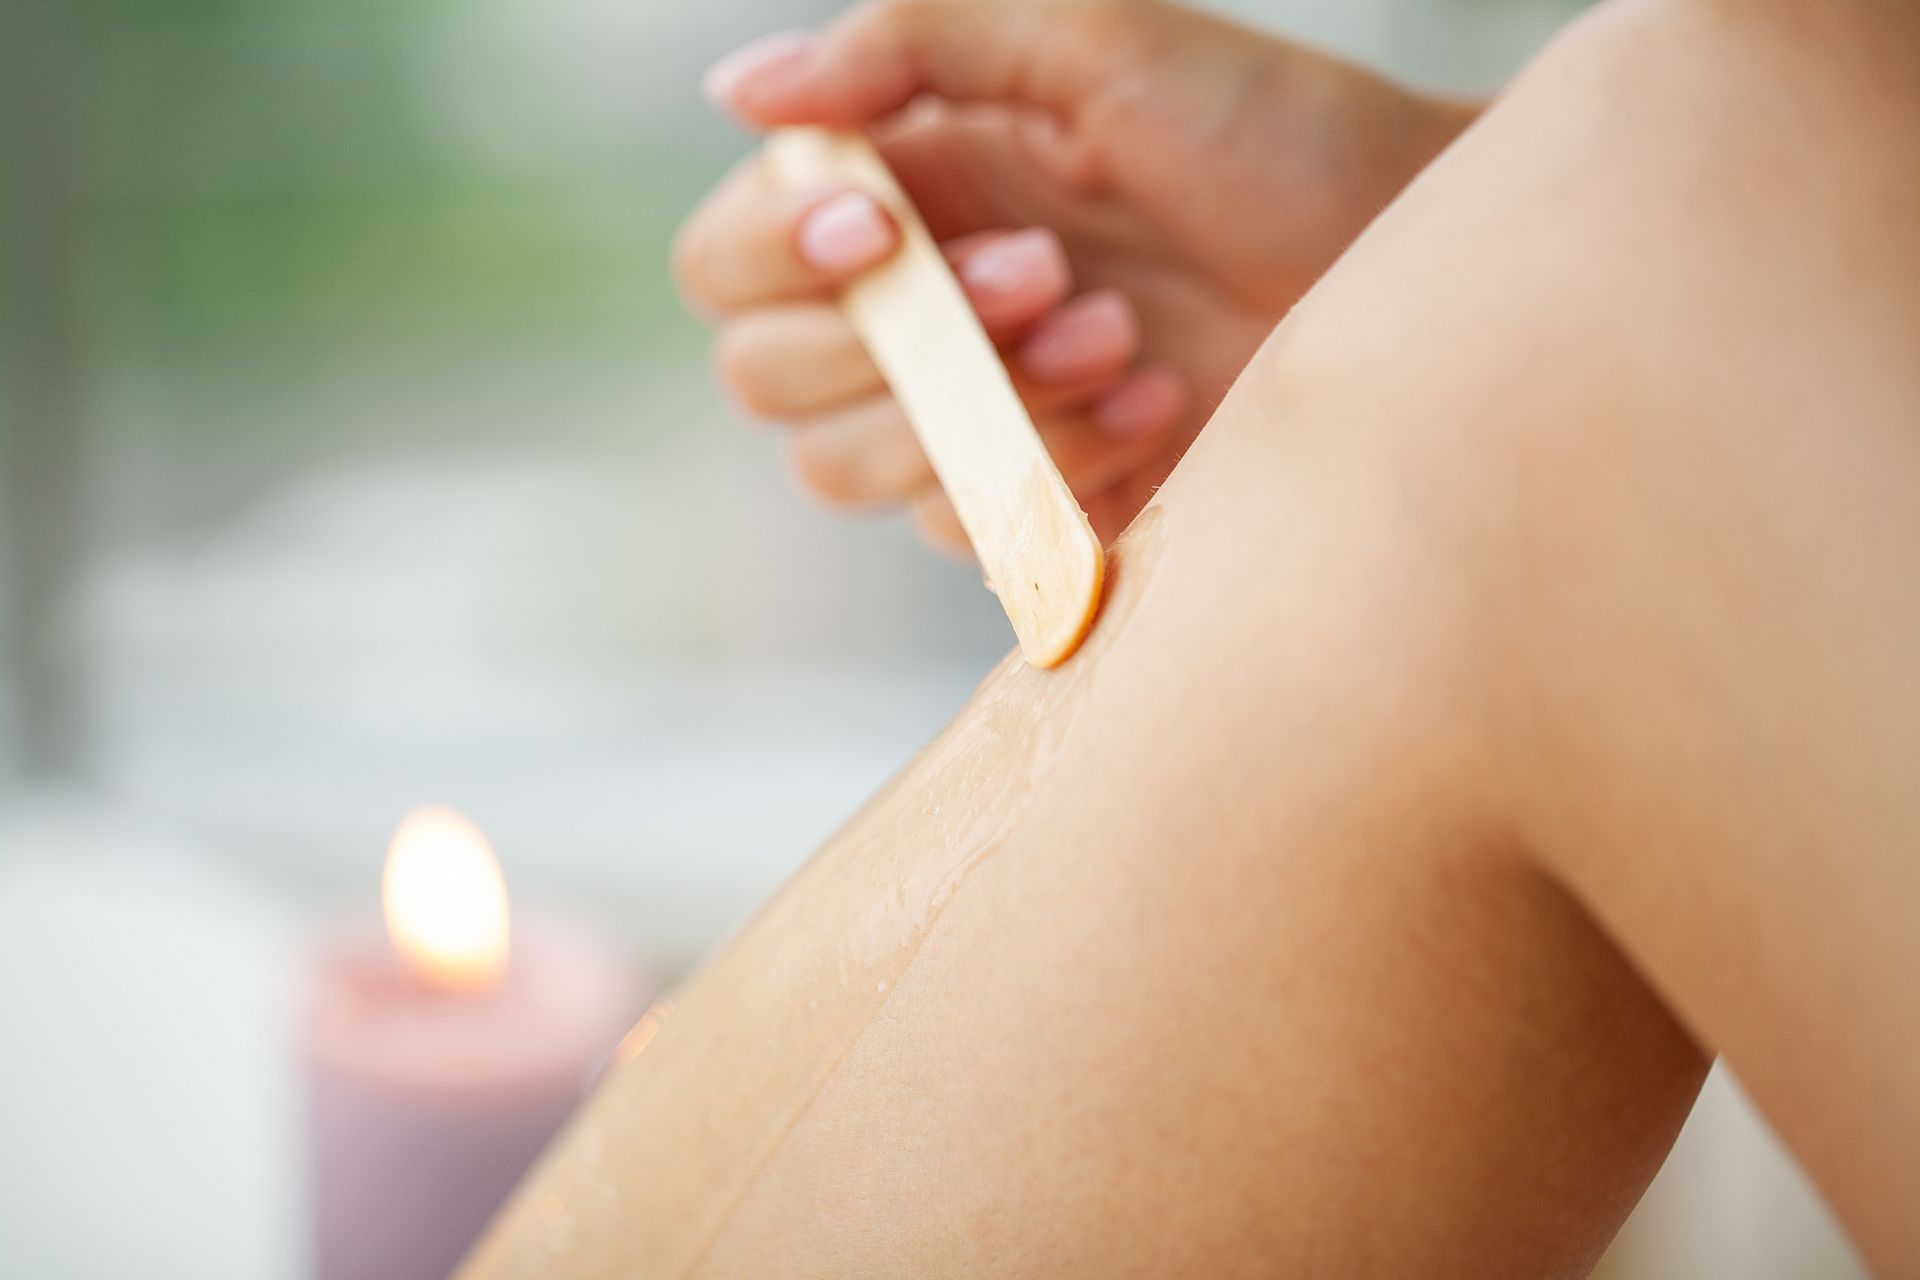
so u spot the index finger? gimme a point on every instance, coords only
(752, 242)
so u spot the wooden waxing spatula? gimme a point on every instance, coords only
(1038, 551)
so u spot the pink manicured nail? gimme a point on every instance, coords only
(845, 233)
(752, 64)
(1028, 265)
(1144, 404)
(1084, 338)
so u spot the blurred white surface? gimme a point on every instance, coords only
(143, 1077)
(650, 672)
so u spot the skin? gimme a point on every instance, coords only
(1122, 143)
(1509, 700)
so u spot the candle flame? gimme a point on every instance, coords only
(445, 901)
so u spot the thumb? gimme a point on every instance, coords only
(1047, 54)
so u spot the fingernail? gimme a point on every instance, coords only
(760, 61)
(1144, 404)
(1087, 336)
(1023, 265)
(844, 234)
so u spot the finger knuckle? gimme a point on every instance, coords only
(828, 474)
(740, 360)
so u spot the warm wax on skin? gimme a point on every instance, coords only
(720, 1092)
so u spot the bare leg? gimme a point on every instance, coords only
(1719, 703)
(1530, 553)
(1195, 957)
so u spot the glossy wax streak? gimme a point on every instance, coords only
(651, 1169)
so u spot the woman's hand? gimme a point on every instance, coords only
(1132, 195)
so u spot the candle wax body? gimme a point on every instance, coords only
(424, 1107)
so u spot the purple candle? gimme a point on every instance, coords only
(437, 1063)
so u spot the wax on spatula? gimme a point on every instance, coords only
(1038, 551)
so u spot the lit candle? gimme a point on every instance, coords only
(441, 1059)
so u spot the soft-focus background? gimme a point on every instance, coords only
(357, 454)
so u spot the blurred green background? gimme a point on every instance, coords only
(272, 174)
